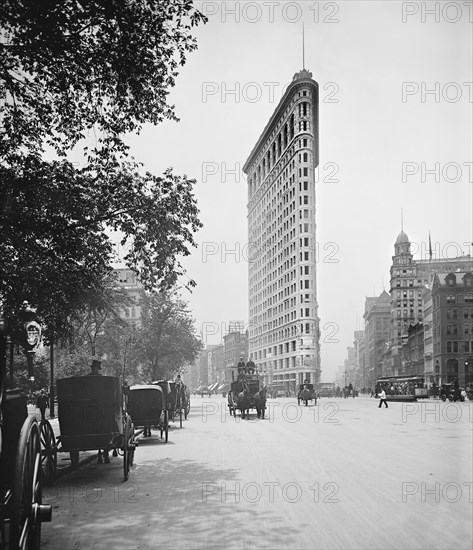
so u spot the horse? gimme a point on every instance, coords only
(243, 401)
(260, 402)
(231, 404)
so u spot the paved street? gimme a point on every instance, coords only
(343, 474)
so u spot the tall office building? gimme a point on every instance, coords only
(283, 311)
(409, 278)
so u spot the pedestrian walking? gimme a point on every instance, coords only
(42, 403)
(382, 397)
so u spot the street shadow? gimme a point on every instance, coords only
(165, 504)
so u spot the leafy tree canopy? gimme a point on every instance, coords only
(167, 340)
(68, 66)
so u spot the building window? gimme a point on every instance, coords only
(449, 346)
(455, 346)
(469, 297)
(451, 299)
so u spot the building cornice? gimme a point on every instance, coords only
(298, 82)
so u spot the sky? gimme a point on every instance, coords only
(395, 81)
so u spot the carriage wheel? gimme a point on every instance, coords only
(27, 512)
(128, 450)
(48, 452)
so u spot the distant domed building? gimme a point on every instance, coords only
(408, 280)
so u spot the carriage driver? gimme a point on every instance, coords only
(241, 366)
(95, 368)
(250, 367)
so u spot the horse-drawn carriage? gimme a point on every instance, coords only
(92, 417)
(21, 475)
(306, 393)
(245, 394)
(21, 478)
(179, 402)
(147, 407)
(177, 399)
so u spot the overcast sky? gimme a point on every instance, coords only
(380, 135)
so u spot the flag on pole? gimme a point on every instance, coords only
(430, 248)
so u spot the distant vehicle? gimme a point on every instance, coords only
(306, 393)
(402, 388)
(276, 390)
(326, 389)
(448, 391)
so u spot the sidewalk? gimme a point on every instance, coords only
(64, 465)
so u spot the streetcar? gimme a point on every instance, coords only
(402, 388)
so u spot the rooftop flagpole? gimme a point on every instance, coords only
(303, 47)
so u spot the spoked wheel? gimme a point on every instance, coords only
(128, 447)
(27, 511)
(48, 452)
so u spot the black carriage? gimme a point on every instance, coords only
(146, 405)
(21, 460)
(177, 403)
(450, 392)
(306, 393)
(91, 417)
(21, 476)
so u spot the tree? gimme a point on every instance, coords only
(167, 340)
(67, 68)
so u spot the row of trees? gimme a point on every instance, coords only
(69, 70)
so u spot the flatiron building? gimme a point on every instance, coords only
(284, 335)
